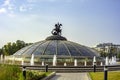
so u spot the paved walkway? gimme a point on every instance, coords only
(70, 76)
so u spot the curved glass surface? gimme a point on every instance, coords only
(58, 47)
(62, 50)
(51, 48)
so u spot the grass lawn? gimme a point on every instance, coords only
(100, 75)
(118, 62)
(13, 72)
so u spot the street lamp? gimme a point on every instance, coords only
(46, 68)
(24, 72)
(94, 63)
(105, 72)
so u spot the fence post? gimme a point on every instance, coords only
(46, 68)
(24, 72)
(94, 66)
(105, 72)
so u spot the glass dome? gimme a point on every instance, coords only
(57, 45)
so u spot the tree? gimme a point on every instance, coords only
(11, 48)
(1, 51)
(20, 44)
(112, 52)
(118, 55)
(103, 54)
(14, 47)
(7, 49)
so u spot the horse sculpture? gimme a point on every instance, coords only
(57, 30)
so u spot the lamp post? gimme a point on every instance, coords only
(94, 63)
(105, 72)
(24, 72)
(94, 66)
(46, 68)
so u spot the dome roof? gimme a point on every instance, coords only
(57, 44)
(56, 37)
(52, 46)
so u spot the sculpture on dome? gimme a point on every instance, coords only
(57, 30)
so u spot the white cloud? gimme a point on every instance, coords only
(7, 6)
(22, 8)
(3, 10)
(6, 3)
(11, 7)
(26, 7)
(11, 15)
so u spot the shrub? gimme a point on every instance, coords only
(9, 72)
(13, 72)
(35, 75)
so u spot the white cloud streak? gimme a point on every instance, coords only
(8, 8)
(6, 3)
(3, 10)
(22, 8)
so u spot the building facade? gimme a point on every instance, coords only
(108, 48)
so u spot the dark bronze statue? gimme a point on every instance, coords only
(57, 30)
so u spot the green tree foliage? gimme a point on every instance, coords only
(11, 48)
(103, 54)
(9, 72)
(112, 52)
(1, 51)
(118, 55)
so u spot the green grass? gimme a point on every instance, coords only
(13, 72)
(9, 72)
(100, 75)
(118, 62)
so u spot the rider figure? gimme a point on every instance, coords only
(57, 30)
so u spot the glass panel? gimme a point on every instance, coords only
(76, 46)
(51, 48)
(93, 53)
(83, 50)
(21, 51)
(62, 49)
(72, 49)
(32, 48)
(40, 50)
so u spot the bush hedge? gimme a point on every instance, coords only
(13, 72)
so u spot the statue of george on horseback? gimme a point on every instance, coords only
(57, 30)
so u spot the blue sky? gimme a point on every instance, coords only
(87, 22)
